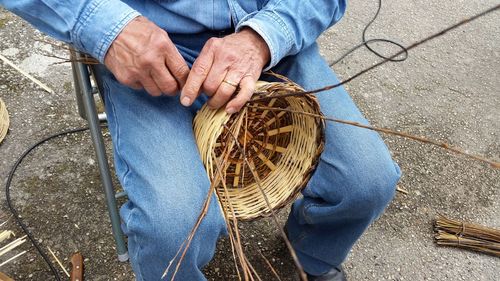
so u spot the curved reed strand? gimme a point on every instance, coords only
(4, 120)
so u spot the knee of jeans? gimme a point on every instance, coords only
(168, 230)
(372, 192)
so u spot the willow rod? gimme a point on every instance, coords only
(250, 165)
(493, 164)
(185, 245)
(236, 238)
(412, 46)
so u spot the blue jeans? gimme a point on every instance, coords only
(158, 164)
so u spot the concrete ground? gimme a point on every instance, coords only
(447, 90)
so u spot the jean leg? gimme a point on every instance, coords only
(355, 178)
(158, 165)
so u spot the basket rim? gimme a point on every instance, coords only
(299, 184)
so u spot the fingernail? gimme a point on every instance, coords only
(186, 101)
(230, 110)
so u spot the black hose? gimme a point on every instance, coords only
(13, 209)
(365, 43)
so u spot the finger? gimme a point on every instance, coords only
(136, 85)
(226, 89)
(215, 77)
(197, 75)
(177, 66)
(150, 86)
(164, 80)
(247, 87)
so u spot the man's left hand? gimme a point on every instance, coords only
(224, 65)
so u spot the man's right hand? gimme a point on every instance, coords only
(143, 56)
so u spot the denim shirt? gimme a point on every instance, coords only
(287, 26)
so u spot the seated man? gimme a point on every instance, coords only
(162, 61)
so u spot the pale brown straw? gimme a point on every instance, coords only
(4, 120)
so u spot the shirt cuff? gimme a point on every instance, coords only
(99, 24)
(273, 29)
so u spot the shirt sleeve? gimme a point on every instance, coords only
(89, 25)
(289, 26)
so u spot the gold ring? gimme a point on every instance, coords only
(230, 83)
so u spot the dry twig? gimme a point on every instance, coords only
(185, 245)
(388, 59)
(232, 222)
(270, 266)
(12, 245)
(13, 258)
(296, 261)
(493, 164)
(26, 74)
(58, 261)
(5, 222)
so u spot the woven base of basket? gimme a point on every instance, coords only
(4, 120)
(282, 147)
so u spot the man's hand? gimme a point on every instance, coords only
(143, 56)
(223, 64)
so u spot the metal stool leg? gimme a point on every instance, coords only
(95, 132)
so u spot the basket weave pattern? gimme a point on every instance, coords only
(283, 147)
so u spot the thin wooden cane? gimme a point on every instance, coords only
(185, 245)
(492, 163)
(232, 223)
(300, 270)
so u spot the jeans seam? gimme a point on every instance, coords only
(303, 233)
(135, 255)
(306, 209)
(118, 139)
(132, 235)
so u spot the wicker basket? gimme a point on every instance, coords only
(4, 120)
(283, 147)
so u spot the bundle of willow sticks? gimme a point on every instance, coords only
(475, 237)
